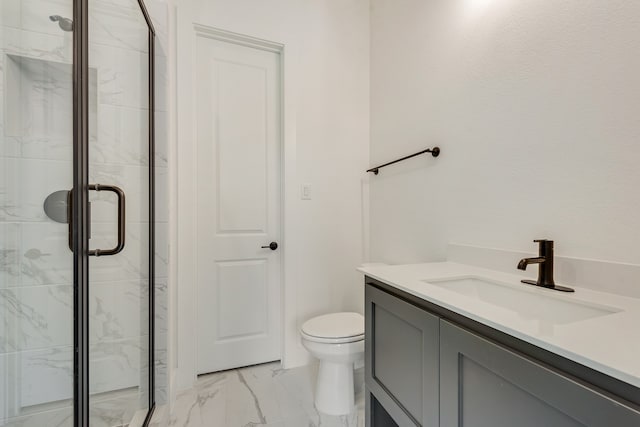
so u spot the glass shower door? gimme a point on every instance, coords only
(36, 264)
(119, 156)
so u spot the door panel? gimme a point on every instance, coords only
(242, 289)
(238, 186)
(242, 144)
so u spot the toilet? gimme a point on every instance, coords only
(337, 341)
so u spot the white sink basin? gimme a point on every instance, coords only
(524, 301)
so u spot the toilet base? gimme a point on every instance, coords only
(334, 390)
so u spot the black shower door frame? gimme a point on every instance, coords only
(80, 212)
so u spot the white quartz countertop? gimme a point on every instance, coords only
(609, 344)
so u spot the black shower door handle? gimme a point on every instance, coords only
(121, 219)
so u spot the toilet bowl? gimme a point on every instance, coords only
(337, 341)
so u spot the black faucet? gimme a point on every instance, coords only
(545, 271)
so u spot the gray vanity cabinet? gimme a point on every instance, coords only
(423, 369)
(402, 354)
(483, 384)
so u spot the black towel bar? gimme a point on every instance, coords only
(435, 152)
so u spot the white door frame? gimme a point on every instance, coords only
(184, 371)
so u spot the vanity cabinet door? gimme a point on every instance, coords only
(401, 361)
(483, 384)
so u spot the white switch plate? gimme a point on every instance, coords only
(305, 191)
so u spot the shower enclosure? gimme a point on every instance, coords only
(76, 213)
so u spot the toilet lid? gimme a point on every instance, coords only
(335, 326)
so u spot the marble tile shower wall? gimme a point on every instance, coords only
(36, 294)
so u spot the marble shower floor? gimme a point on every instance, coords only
(262, 395)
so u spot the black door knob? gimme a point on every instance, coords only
(273, 246)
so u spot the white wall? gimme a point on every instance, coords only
(326, 68)
(536, 106)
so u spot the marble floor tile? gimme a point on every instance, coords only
(262, 395)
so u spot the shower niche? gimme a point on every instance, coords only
(39, 106)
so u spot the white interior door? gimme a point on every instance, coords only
(238, 210)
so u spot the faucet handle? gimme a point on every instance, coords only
(544, 243)
(546, 247)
